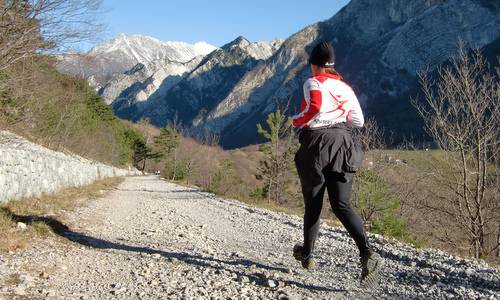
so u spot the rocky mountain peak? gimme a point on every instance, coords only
(126, 51)
(256, 50)
(380, 47)
(240, 42)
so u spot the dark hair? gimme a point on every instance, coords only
(333, 72)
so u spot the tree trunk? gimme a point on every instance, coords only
(498, 241)
(270, 186)
(175, 165)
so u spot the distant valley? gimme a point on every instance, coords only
(380, 47)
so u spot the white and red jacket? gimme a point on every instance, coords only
(328, 101)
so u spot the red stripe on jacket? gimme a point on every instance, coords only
(315, 100)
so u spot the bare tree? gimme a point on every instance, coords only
(462, 115)
(372, 136)
(209, 138)
(27, 26)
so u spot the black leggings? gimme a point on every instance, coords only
(339, 186)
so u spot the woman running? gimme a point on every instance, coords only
(328, 157)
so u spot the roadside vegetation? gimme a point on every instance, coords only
(33, 213)
(36, 101)
(63, 113)
(462, 116)
(445, 198)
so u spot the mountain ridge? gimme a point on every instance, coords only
(203, 86)
(364, 34)
(123, 52)
(380, 48)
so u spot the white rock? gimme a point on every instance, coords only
(27, 169)
(20, 291)
(271, 283)
(21, 226)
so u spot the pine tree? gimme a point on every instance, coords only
(275, 169)
(99, 108)
(166, 143)
(141, 154)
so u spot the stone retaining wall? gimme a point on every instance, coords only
(28, 169)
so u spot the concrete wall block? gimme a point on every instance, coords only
(28, 170)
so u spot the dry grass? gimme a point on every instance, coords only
(416, 186)
(53, 205)
(409, 174)
(409, 179)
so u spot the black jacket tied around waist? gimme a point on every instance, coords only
(328, 149)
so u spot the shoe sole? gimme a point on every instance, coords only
(297, 254)
(308, 265)
(372, 280)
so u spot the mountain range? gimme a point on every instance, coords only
(380, 48)
(124, 52)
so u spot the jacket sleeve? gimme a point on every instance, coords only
(355, 115)
(310, 105)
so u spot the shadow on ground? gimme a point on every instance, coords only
(208, 262)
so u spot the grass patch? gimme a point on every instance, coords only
(34, 90)
(53, 205)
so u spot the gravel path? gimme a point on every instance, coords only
(151, 239)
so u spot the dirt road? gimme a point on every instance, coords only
(150, 239)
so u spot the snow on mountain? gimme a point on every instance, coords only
(144, 49)
(205, 86)
(124, 52)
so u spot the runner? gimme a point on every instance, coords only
(328, 157)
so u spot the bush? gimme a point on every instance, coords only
(224, 178)
(177, 169)
(379, 209)
(371, 196)
(63, 112)
(259, 193)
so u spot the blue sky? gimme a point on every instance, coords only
(216, 22)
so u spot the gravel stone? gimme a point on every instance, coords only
(271, 283)
(215, 248)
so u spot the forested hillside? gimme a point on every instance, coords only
(37, 101)
(444, 198)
